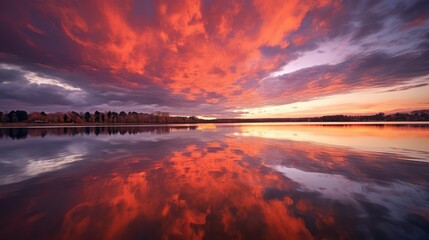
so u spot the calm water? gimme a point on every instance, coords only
(215, 182)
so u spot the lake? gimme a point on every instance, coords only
(224, 181)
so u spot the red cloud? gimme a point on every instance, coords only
(217, 53)
(178, 44)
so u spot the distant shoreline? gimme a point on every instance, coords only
(21, 118)
(49, 125)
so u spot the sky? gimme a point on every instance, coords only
(215, 58)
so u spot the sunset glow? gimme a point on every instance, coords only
(256, 58)
(214, 119)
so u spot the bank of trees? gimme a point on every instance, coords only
(122, 117)
(109, 117)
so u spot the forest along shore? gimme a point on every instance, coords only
(21, 118)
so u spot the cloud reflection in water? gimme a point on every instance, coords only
(211, 183)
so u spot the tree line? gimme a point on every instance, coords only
(110, 117)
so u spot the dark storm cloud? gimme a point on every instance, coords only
(34, 94)
(17, 91)
(14, 86)
(10, 75)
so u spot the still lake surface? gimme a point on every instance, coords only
(239, 181)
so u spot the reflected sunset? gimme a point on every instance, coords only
(224, 182)
(409, 141)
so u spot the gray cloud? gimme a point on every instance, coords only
(377, 69)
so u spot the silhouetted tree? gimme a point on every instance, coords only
(122, 116)
(87, 116)
(12, 117)
(21, 115)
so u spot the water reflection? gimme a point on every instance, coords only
(408, 140)
(22, 133)
(214, 182)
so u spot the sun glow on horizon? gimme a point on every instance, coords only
(362, 102)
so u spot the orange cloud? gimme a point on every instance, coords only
(190, 48)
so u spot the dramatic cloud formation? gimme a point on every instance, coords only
(209, 58)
